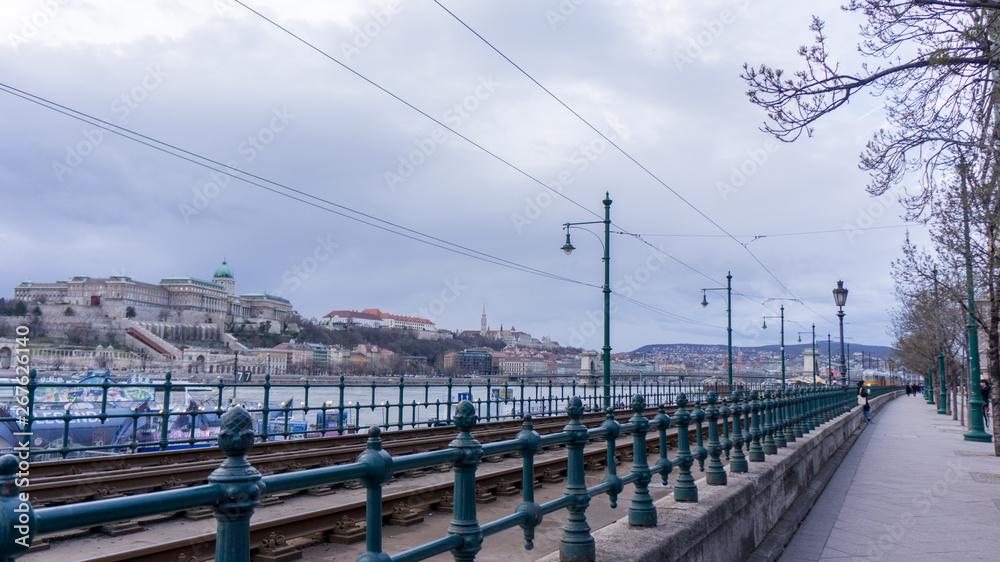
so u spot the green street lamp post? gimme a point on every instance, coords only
(929, 387)
(829, 360)
(943, 401)
(764, 326)
(840, 298)
(729, 321)
(568, 248)
(977, 430)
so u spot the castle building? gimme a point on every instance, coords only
(171, 293)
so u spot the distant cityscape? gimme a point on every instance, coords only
(194, 326)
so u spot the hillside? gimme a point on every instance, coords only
(880, 351)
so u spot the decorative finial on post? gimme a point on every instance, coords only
(240, 485)
(16, 514)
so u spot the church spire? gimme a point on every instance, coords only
(482, 322)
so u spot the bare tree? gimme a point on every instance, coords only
(935, 65)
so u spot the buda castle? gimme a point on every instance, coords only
(187, 296)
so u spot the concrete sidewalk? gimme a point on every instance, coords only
(910, 489)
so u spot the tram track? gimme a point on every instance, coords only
(76, 480)
(343, 521)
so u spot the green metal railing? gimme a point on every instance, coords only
(235, 488)
(174, 420)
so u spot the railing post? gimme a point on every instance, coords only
(577, 543)
(379, 473)
(448, 402)
(699, 453)
(726, 442)
(267, 406)
(684, 488)
(399, 420)
(738, 462)
(778, 418)
(464, 522)
(240, 484)
(789, 415)
(800, 413)
(165, 421)
(17, 517)
(641, 512)
(340, 407)
(812, 406)
(832, 402)
(770, 445)
(747, 436)
(755, 450)
(614, 429)
(715, 474)
(663, 466)
(532, 443)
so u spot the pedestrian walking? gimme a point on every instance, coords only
(863, 400)
(984, 390)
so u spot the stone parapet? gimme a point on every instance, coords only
(728, 522)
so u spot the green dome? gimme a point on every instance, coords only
(223, 271)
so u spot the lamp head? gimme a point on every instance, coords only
(763, 325)
(568, 246)
(840, 294)
(704, 299)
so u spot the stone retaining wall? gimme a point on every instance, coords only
(729, 521)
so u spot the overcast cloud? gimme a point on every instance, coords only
(660, 78)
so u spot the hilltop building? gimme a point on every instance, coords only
(115, 294)
(509, 337)
(375, 318)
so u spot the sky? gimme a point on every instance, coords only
(460, 224)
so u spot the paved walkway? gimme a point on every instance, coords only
(910, 489)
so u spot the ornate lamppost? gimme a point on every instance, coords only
(568, 248)
(764, 326)
(840, 297)
(943, 397)
(729, 320)
(977, 431)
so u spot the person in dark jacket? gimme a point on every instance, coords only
(984, 390)
(863, 400)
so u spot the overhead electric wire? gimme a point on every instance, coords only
(775, 235)
(620, 149)
(463, 137)
(411, 106)
(230, 171)
(660, 311)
